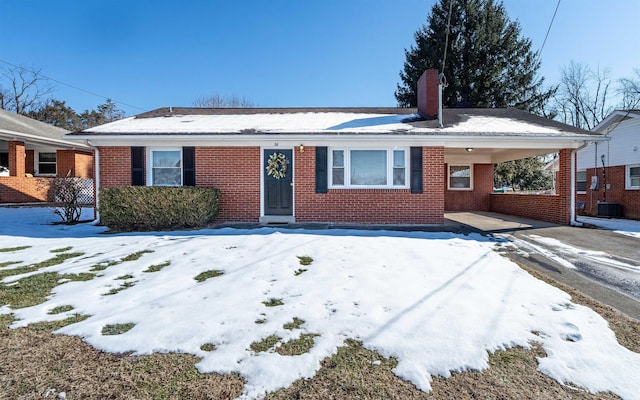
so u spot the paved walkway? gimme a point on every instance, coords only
(602, 264)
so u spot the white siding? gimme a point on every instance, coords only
(622, 149)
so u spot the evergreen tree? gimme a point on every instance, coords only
(524, 174)
(57, 113)
(488, 63)
(107, 112)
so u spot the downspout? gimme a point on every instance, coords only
(573, 220)
(96, 178)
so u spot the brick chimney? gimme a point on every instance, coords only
(428, 94)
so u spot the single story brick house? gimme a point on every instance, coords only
(608, 173)
(32, 152)
(340, 165)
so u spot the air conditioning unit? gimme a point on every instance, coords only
(609, 209)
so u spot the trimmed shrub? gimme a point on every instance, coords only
(148, 208)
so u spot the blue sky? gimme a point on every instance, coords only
(277, 53)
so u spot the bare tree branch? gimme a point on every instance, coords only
(23, 89)
(218, 101)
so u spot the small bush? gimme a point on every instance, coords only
(147, 208)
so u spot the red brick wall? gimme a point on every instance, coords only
(551, 208)
(115, 166)
(471, 200)
(542, 207)
(630, 199)
(236, 172)
(29, 166)
(427, 93)
(20, 189)
(16, 158)
(380, 206)
(83, 165)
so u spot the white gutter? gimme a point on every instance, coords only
(11, 135)
(96, 179)
(573, 221)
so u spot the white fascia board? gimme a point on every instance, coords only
(291, 140)
(614, 117)
(26, 137)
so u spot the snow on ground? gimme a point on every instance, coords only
(623, 226)
(435, 301)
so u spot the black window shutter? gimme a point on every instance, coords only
(416, 170)
(188, 166)
(321, 170)
(137, 166)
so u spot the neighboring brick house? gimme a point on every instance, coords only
(32, 152)
(343, 165)
(608, 173)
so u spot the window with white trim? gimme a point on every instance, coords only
(165, 167)
(581, 181)
(460, 177)
(368, 168)
(47, 163)
(633, 177)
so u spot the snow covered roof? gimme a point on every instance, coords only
(338, 121)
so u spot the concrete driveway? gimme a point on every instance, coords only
(601, 264)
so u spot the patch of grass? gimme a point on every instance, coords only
(136, 256)
(58, 259)
(10, 249)
(273, 302)
(5, 263)
(203, 276)
(128, 276)
(131, 257)
(208, 347)
(300, 271)
(60, 309)
(61, 250)
(295, 324)
(265, 344)
(50, 326)
(305, 260)
(122, 287)
(298, 346)
(34, 289)
(117, 329)
(33, 361)
(157, 267)
(260, 321)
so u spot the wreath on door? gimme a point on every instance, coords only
(277, 165)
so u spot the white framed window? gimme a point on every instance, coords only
(460, 177)
(165, 167)
(632, 173)
(46, 163)
(581, 181)
(368, 168)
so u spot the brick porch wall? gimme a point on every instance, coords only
(471, 200)
(21, 189)
(551, 208)
(630, 199)
(379, 206)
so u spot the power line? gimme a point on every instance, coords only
(74, 87)
(549, 29)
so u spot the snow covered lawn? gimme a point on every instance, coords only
(239, 298)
